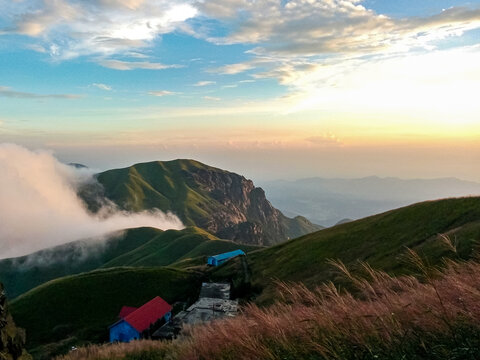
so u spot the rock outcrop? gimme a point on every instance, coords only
(12, 339)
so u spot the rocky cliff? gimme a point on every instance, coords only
(223, 203)
(12, 339)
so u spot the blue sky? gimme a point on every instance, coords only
(215, 79)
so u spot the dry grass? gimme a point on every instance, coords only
(436, 317)
(142, 349)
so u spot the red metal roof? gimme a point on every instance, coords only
(126, 310)
(147, 314)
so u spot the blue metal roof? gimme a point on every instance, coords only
(228, 255)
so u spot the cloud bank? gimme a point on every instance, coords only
(39, 207)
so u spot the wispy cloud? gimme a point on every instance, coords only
(10, 93)
(212, 98)
(233, 69)
(324, 140)
(132, 65)
(161, 93)
(102, 86)
(204, 83)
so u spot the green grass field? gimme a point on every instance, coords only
(134, 247)
(380, 240)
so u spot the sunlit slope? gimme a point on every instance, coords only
(380, 240)
(223, 203)
(83, 306)
(133, 247)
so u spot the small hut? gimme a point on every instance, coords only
(221, 258)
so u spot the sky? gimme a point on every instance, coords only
(270, 89)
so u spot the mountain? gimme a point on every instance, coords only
(379, 240)
(77, 309)
(327, 201)
(223, 203)
(12, 339)
(133, 247)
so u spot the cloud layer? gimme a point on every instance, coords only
(39, 207)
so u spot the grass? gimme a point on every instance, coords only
(134, 247)
(173, 246)
(83, 306)
(380, 240)
(435, 316)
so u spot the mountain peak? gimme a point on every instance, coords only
(223, 203)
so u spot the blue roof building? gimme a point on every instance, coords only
(221, 258)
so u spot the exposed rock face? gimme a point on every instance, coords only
(244, 215)
(12, 339)
(223, 203)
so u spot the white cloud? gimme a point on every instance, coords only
(212, 98)
(313, 27)
(232, 69)
(37, 190)
(6, 91)
(204, 83)
(161, 93)
(132, 65)
(103, 27)
(102, 86)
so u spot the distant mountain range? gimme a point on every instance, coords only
(223, 203)
(328, 201)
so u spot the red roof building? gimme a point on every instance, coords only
(133, 322)
(147, 314)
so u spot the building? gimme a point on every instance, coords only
(214, 303)
(136, 323)
(221, 258)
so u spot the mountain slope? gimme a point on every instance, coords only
(74, 309)
(223, 203)
(133, 247)
(380, 240)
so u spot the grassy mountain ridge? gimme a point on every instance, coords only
(223, 203)
(134, 247)
(380, 240)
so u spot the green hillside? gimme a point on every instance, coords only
(24, 273)
(223, 203)
(79, 308)
(380, 240)
(173, 246)
(134, 247)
